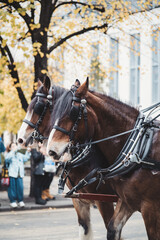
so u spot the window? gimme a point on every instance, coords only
(94, 68)
(156, 66)
(135, 69)
(114, 61)
(97, 73)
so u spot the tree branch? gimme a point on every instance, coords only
(17, 6)
(84, 30)
(94, 7)
(14, 74)
(3, 6)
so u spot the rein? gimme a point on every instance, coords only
(104, 139)
(149, 123)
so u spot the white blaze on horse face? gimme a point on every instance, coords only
(56, 146)
(51, 136)
(22, 133)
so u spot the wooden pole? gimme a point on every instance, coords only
(96, 197)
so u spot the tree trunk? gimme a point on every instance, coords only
(40, 59)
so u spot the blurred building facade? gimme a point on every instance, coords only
(130, 56)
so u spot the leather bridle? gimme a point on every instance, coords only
(81, 155)
(40, 108)
(75, 115)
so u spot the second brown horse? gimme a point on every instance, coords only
(139, 191)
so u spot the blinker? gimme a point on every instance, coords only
(74, 113)
(39, 107)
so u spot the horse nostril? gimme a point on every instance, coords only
(53, 154)
(20, 140)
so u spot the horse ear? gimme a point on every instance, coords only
(46, 84)
(38, 85)
(87, 81)
(82, 90)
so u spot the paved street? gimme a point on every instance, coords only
(59, 224)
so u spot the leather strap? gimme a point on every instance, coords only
(61, 130)
(29, 123)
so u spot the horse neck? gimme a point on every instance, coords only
(113, 117)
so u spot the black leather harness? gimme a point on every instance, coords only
(75, 115)
(40, 109)
(133, 155)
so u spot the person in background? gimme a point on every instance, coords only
(16, 161)
(49, 170)
(38, 159)
(2, 148)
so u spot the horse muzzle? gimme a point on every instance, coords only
(58, 149)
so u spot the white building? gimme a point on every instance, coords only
(130, 54)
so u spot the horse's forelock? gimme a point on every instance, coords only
(62, 106)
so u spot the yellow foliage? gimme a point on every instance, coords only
(34, 26)
(11, 112)
(14, 33)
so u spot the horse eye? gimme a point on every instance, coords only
(39, 107)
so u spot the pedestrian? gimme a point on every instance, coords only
(38, 159)
(16, 160)
(49, 170)
(2, 148)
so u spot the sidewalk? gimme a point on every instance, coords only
(59, 202)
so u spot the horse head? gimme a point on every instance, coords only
(36, 126)
(74, 121)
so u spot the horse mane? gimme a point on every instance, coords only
(62, 106)
(64, 103)
(58, 91)
(116, 106)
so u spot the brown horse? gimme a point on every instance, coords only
(30, 133)
(35, 126)
(139, 189)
